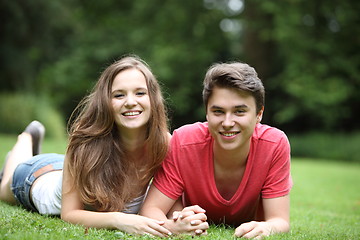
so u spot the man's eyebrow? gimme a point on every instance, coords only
(241, 106)
(236, 107)
(215, 107)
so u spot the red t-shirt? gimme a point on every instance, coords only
(188, 171)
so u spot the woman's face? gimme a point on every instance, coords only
(130, 100)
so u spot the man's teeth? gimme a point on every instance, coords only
(229, 134)
(131, 113)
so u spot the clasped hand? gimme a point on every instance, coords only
(191, 220)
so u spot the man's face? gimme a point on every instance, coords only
(231, 115)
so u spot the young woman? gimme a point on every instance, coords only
(117, 140)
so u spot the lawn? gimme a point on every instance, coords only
(325, 204)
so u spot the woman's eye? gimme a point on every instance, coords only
(140, 93)
(119, 95)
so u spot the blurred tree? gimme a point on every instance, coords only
(33, 34)
(179, 40)
(186, 41)
(313, 67)
(305, 51)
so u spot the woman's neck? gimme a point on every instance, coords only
(133, 141)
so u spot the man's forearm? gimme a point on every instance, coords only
(154, 213)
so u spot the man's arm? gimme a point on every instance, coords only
(176, 209)
(157, 205)
(277, 219)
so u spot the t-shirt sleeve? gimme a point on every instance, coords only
(168, 178)
(278, 181)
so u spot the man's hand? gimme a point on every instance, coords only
(191, 220)
(188, 211)
(256, 230)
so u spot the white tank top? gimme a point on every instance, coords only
(46, 193)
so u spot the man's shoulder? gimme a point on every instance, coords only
(267, 133)
(195, 133)
(198, 126)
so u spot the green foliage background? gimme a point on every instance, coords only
(306, 52)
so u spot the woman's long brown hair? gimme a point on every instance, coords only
(105, 175)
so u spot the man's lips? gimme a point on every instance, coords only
(229, 134)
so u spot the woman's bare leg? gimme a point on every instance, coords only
(22, 151)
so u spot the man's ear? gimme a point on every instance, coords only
(206, 114)
(259, 115)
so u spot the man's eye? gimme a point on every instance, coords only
(239, 112)
(217, 112)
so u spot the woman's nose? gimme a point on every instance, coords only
(130, 101)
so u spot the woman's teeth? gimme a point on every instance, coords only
(131, 113)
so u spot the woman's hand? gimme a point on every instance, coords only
(139, 225)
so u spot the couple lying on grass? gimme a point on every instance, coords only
(231, 169)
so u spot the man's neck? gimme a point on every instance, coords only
(230, 159)
(229, 168)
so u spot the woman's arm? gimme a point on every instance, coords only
(72, 211)
(277, 219)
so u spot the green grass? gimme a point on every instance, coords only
(325, 204)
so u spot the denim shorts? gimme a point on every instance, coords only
(27, 172)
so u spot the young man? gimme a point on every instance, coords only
(232, 166)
